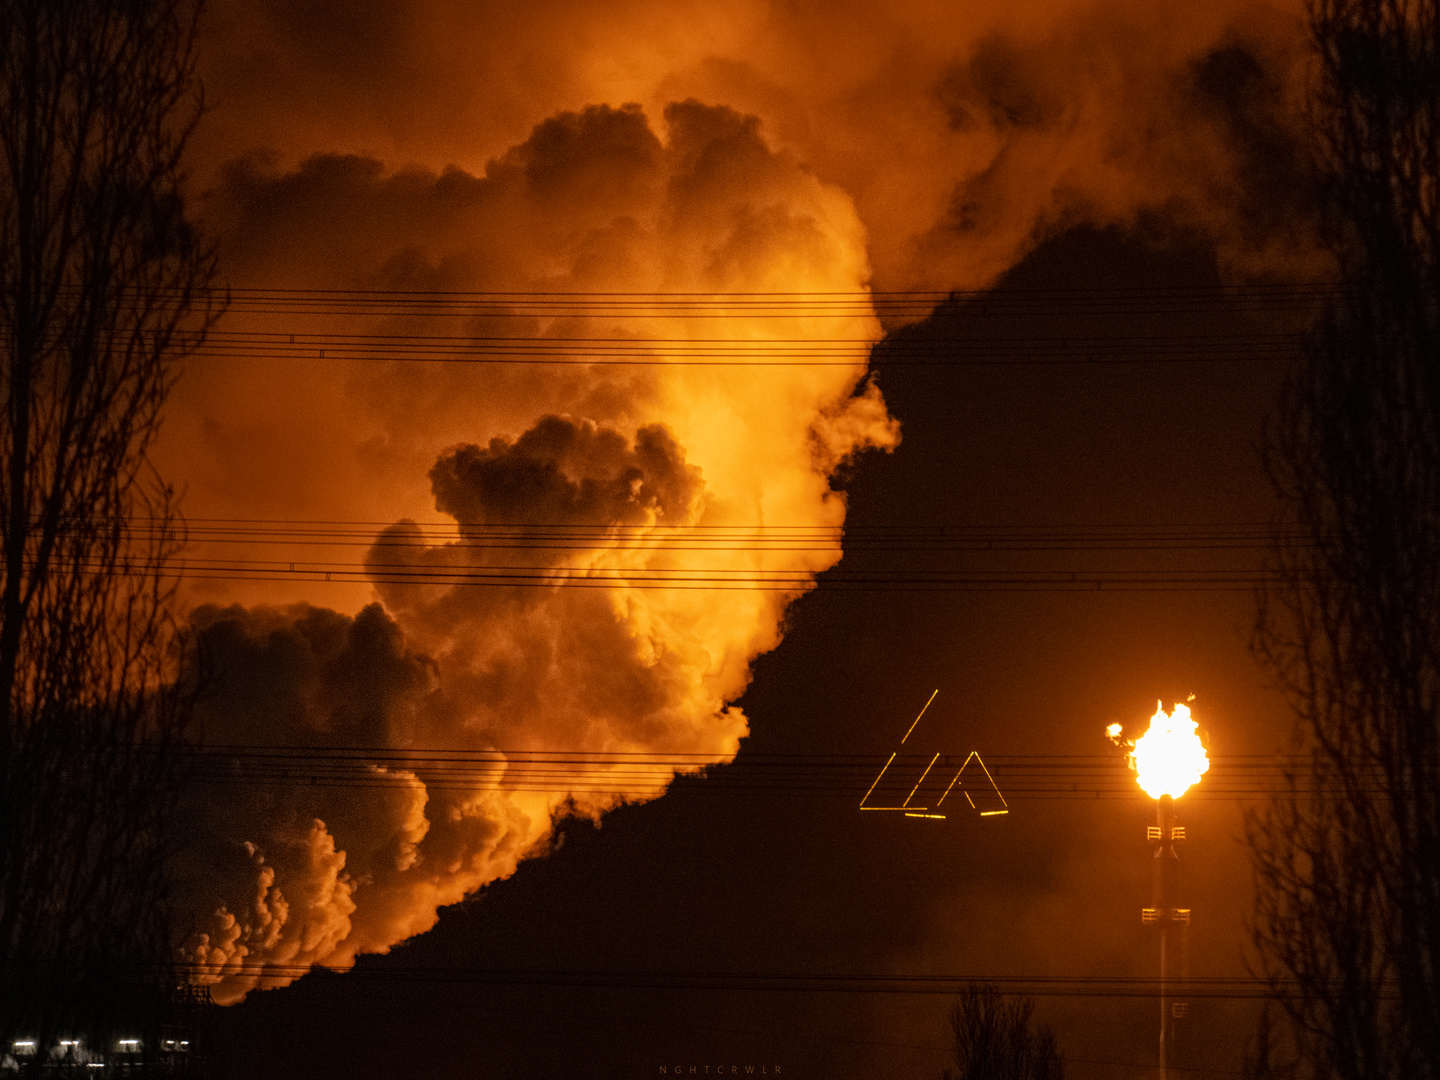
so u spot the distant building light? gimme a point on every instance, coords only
(129, 1046)
(69, 1042)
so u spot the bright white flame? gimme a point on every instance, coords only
(1113, 732)
(1169, 757)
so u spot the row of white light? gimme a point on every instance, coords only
(126, 1046)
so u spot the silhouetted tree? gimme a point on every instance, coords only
(1347, 856)
(1266, 1058)
(994, 1039)
(103, 285)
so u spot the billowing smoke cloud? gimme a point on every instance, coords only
(453, 657)
(459, 147)
(964, 133)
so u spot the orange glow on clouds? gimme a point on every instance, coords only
(635, 468)
(1169, 758)
(488, 149)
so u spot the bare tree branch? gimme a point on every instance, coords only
(994, 1039)
(104, 286)
(1347, 859)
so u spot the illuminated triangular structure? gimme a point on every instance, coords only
(929, 812)
(975, 757)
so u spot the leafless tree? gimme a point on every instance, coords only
(1347, 856)
(1267, 1057)
(994, 1039)
(103, 287)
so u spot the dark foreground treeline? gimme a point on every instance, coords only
(103, 288)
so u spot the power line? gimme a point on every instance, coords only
(798, 320)
(444, 560)
(833, 776)
(739, 537)
(1221, 988)
(1305, 297)
(711, 580)
(1070, 350)
(877, 558)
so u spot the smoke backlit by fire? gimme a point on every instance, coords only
(820, 150)
(616, 473)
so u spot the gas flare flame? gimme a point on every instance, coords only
(1169, 757)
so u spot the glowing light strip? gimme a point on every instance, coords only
(992, 780)
(892, 758)
(872, 788)
(956, 780)
(921, 780)
(922, 713)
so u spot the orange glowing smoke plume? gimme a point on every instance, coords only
(1169, 757)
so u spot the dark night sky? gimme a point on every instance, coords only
(715, 882)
